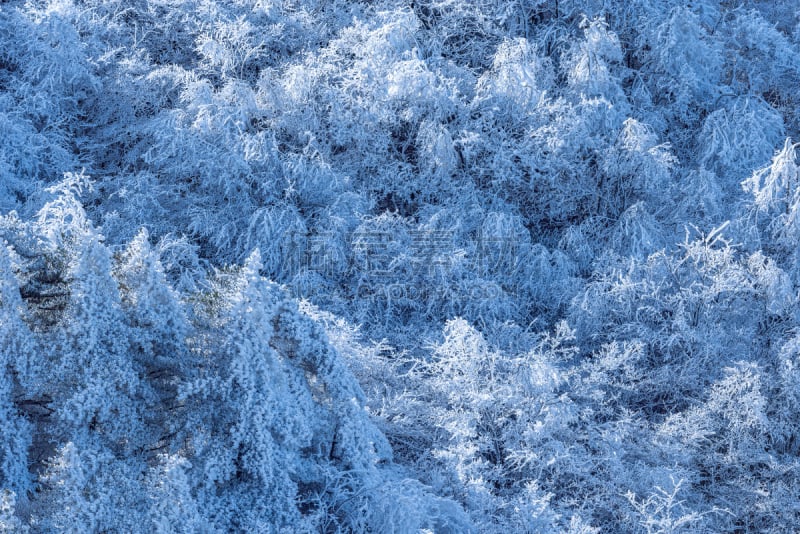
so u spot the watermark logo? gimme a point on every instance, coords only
(415, 265)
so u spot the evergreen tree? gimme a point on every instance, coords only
(15, 351)
(97, 381)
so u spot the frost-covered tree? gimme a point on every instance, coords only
(97, 376)
(249, 441)
(154, 310)
(173, 507)
(76, 495)
(15, 351)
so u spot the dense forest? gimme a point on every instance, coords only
(399, 266)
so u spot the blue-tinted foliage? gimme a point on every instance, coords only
(399, 266)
